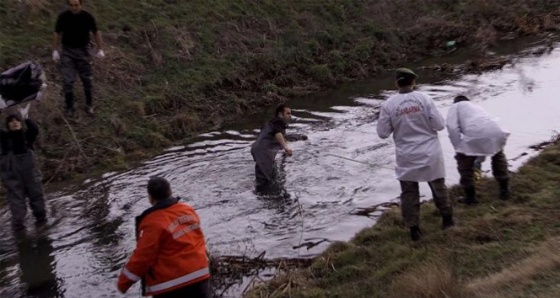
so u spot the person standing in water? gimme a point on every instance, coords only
(19, 172)
(271, 139)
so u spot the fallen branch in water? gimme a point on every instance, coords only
(375, 208)
(228, 271)
(310, 244)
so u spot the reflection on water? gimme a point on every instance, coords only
(342, 165)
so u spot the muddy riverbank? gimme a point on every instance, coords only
(177, 68)
(92, 232)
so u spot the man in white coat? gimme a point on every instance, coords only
(414, 121)
(473, 134)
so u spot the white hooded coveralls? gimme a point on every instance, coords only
(414, 121)
(473, 132)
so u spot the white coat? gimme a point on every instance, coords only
(473, 132)
(414, 121)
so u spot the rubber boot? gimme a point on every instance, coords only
(415, 233)
(470, 196)
(69, 107)
(504, 190)
(447, 222)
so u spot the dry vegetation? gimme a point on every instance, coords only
(498, 249)
(175, 68)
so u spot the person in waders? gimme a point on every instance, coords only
(170, 256)
(474, 135)
(414, 121)
(72, 30)
(19, 173)
(271, 139)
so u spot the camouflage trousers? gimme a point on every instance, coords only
(410, 200)
(465, 165)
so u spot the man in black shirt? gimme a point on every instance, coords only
(271, 139)
(74, 26)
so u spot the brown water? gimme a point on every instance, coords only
(93, 233)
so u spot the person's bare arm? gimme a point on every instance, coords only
(280, 139)
(56, 41)
(98, 40)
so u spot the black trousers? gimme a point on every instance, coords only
(200, 289)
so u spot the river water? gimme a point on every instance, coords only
(93, 231)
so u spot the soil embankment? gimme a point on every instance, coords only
(177, 68)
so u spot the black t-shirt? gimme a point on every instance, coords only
(278, 126)
(75, 28)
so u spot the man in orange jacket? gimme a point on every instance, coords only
(170, 256)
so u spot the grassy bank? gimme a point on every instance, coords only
(498, 249)
(176, 68)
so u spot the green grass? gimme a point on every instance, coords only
(497, 249)
(176, 68)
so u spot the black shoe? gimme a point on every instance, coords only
(504, 190)
(18, 227)
(470, 196)
(415, 233)
(89, 110)
(68, 112)
(41, 221)
(447, 222)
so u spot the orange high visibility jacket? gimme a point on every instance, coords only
(170, 251)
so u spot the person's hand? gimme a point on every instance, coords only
(55, 56)
(288, 151)
(24, 112)
(100, 54)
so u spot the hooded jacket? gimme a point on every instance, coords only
(20, 141)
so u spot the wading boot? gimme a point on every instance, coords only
(504, 190)
(447, 222)
(415, 233)
(470, 196)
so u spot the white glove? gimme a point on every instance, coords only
(55, 56)
(100, 54)
(24, 112)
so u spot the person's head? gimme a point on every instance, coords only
(14, 122)
(460, 98)
(158, 189)
(405, 78)
(283, 112)
(75, 5)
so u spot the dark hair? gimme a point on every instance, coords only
(11, 117)
(159, 188)
(280, 109)
(460, 98)
(81, 2)
(405, 81)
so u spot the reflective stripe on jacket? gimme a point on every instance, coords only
(170, 251)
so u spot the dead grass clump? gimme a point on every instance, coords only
(479, 230)
(137, 108)
(35, 6)
(432, 280)
(545, 259)
(118, 125)
(183, 125)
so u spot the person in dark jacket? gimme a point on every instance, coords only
(271, 139)
(18, 170)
